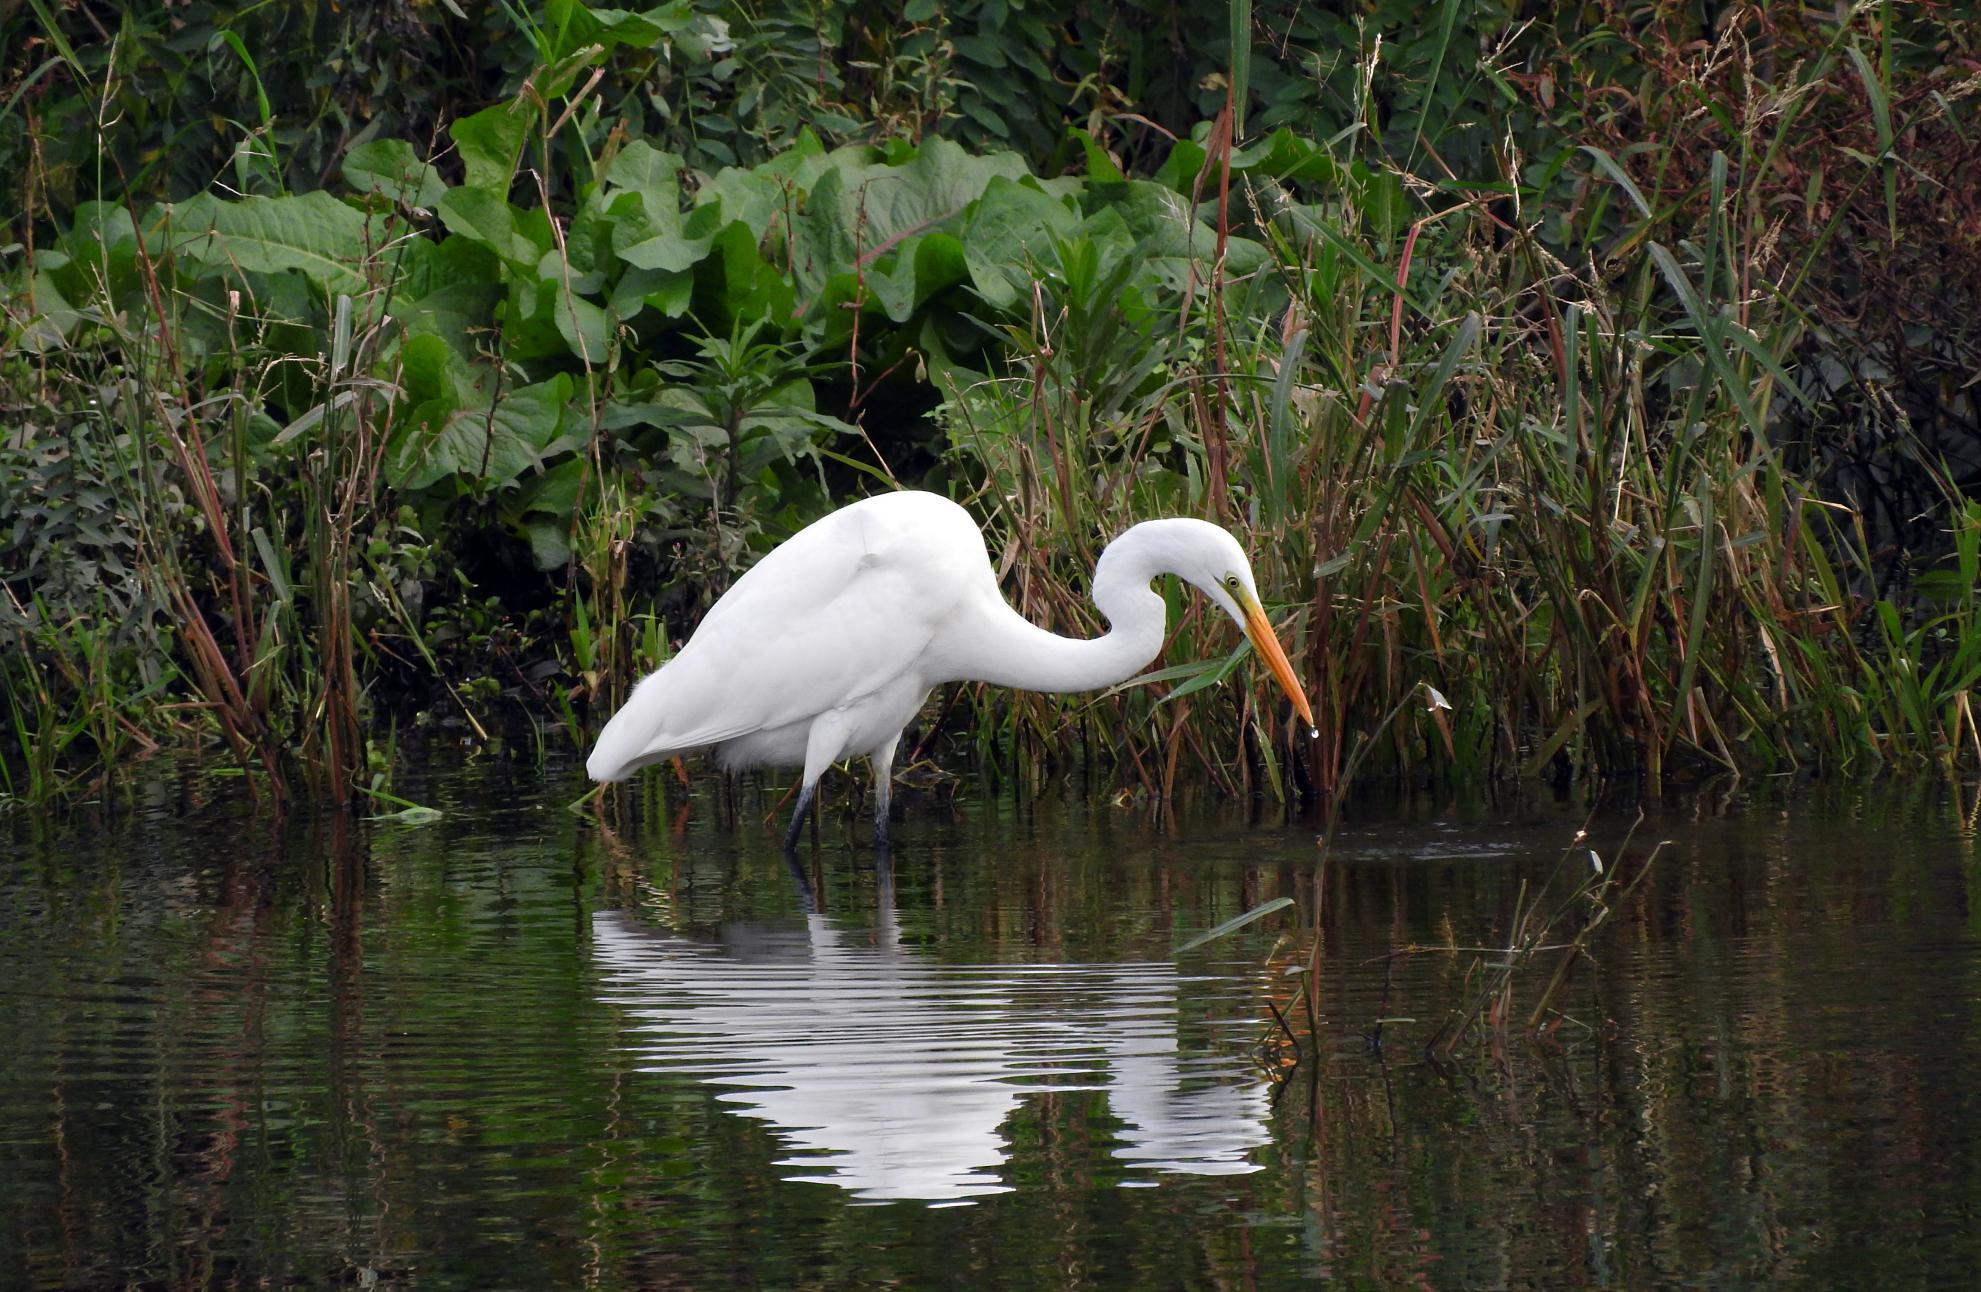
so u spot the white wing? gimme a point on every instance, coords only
(844, 607)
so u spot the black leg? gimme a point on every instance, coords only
(798, 817)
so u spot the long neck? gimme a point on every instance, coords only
(1009, 651)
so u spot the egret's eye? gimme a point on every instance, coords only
(1231, 581)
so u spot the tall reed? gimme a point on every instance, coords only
(1546, 493)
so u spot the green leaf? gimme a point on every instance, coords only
(392, 169)
(484, 442)
(552, 267)
(313, 234)
(1010, 229)
(1712, 333)
(1430, 401)
(641, 168)
(554, 80)
(578, 24)
(1235, 923)
(668, 291)
(861, 210)
(751, 287)
(555, 492)
(1607, 164)
(763, 196)
(648, 235)
(449, 314)
(1170, 237)
(427, 367)
(430, 266)
(580, 320)
(490, 143)
(1180, 169)
(1944, 586)
(1702, 597)
(549, 540)
(1100, 167)
(485, 217)
(1210, 676)
(50, 317)
(1429, 92)
(1283, 155)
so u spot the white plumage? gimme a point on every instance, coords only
(828, 646)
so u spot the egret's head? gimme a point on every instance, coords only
(1209, 557)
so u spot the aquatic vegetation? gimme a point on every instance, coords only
(1521, 398)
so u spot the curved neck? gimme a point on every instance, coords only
(1009, 651)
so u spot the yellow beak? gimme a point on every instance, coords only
(1266, 643)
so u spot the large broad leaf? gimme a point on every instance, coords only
(901, 281)
(762, 197)
(530, 326)
(566, 270)
(585, 327)
(649, 229)
(484, 216)
(313, 234)
(1282, 155)
(588, 244)
(664, 290)
(101, 251)
(490, 142)
(1178, 246)
(644, 169)
(862, 209)
(392, 169)
(1101, 168)
(446, 263)
(480, 440)
(650, 238)
(454, 290)
(1180, 169)
(581, 24)
(750, 287)
(427, 369)
(543, 508)
(47, 316)
(1010, 229)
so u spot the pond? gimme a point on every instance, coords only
(518, 1046)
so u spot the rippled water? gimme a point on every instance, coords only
(518, 1047)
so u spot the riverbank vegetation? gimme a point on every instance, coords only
(1593, 385)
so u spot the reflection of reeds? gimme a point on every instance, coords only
(1549, 925)
(1552, 929)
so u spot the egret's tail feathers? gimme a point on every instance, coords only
(641, 734)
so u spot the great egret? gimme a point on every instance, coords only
(828, 646)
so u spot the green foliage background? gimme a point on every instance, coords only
(1599, 371)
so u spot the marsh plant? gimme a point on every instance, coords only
(1520, 355)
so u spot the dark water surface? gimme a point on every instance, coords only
(512, 1048)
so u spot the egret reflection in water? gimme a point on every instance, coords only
(891, 1075)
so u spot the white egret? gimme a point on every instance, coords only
(828, 646)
